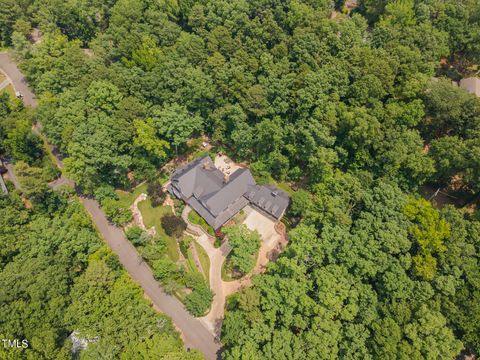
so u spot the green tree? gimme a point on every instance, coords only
(245, 244)
(146, 139)
(176, 124)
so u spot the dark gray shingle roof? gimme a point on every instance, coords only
(216, 198)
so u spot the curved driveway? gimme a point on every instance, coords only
(194, 332)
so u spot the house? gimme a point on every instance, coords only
(217, 196)
(471, 84)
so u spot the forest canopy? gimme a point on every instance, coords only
(355, 107)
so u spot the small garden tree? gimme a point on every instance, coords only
(199, 300)
(245, 244)
(115, 212)
(137, 236)
(156, 193)
(173, 225)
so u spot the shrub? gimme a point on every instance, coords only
(164, 269)
(115, 213)
(185, 244)
(156, 193)
(173, 225)
(194, 280)
(245, 244)
(154, 250)
(137, 236)
(50, 172)
(178, 205)
(143, 169)
(199, 300)
(196, 219)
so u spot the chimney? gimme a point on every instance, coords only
(226, 178)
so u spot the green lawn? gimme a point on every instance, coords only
(192, 267)
(9, 90)
(126, 199)
(152, 217)
(204, 260)
(198, 220)
(240, 217)
(226, 273)
(283, 185)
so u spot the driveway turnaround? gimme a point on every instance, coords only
(194, 333)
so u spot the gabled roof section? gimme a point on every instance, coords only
(269, 199)
(217, 197)
(183, 180)
(231, 190)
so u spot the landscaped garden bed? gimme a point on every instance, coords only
(176, 270)
(196, 219)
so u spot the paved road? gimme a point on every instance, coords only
(194, 332)
(9, 68)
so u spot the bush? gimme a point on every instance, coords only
(199, 301)
(50, 172)
(105, 191)
(143, 169)
(194, 280)
(156, 193)
(173, 225)
(196, 219)
(245, 244)
(154, 250)
(185, 244)
(164, 269)
(300, 203)
(115, 213)
(137, 236)
(178, 205)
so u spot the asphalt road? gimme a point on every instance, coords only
(9, 68)
(194, 332)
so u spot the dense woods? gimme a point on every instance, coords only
(356, 109)
(57, 279)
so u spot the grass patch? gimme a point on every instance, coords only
(196, 219)
(204, 260)
(126, 198)
(152, 217)
(285, 186)
(192, 267)
(163, 177)
(198, 154)
(9, 90)
(240, 217)
(227, 274)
